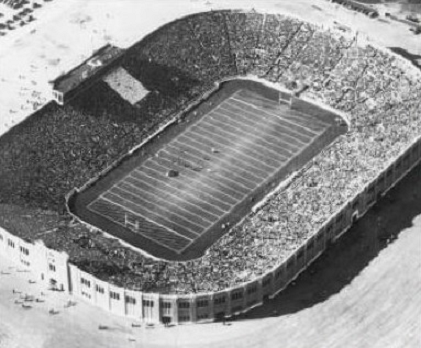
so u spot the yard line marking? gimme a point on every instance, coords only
(211, 172)
(193, 198)
(165, 195)
(260, 124)
(298, 114)
(208, 185)
(269, 117)
(248, 144)
(305, 128)
(204, 223)
(212, 185)
(149, 212)
(257, 134)
(251, 117)
(236, 162)
(147, 218)
(204, 175)
(281, 120)
(265, 162)
(213, 201)
(233, 166)
(179, 236)
(256, 127)
(221, 172)
(278, 141)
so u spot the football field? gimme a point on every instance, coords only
(194, 181)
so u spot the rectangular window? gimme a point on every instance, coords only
(252, 290)
(236, 296)
(184, 305)
(51, 267)
(114, 296)
(147, 303)
(99, 289)
(130, 300)
(202, 303)
(166, 305)
(219, 301)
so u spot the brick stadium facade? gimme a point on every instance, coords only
(55, 269)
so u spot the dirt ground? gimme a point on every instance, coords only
(365, 292)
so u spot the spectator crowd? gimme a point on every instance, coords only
(58, 149)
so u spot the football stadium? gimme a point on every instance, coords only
(195, 174)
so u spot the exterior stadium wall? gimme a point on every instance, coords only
(54, 270)
(49, 266)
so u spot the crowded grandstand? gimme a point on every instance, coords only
(61, 148)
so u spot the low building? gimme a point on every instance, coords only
(67, 86)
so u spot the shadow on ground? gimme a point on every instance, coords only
(345, 259)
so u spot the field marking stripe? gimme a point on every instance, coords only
(143, 217)
(283, 138)
(144, 235)
(192, 197)
(170, 209)
(226, 188)
(169, 152)
(270, 118)
(228, 152)
(212, 191)
(244, 121)
(166, 201)
(299, 115)
(223, 179)
(239, 118)
(214, 181)
(177, 198)
(252, 149)
(290, 133)
(303, 126)
(208, 185)
(306, 129)
(247, 165)
(116, 192)
(257, 134)
(238, 148)
(152, 213)
(158, 226)
(221, 172)
(240, 175)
